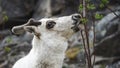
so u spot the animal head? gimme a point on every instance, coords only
(64, 26)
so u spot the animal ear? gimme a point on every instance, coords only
(21, 29)
(18, 29)
(33, 22)
(29, 29)
(32, 29)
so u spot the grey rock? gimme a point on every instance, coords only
(108, 31)
(4, 33)
(16, 12)
(1, 16)
(10, 40)
(48, 8)
(16, 8)
(115, 65)
(108, 38)
(11, 53)
(109, 46)
(43, 9)
(13, 47)
(105, 25)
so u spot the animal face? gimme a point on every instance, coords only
(64, 26)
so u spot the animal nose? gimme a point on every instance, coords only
(76, 16)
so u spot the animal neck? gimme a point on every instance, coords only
(50, 44)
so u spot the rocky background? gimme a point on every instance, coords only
(17, 12)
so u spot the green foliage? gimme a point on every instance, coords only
(80, 7)
(103, 3)
(5, 17)
(84, 20)
(7, 49)
(90, 6)
(102, 66)
(98, 16)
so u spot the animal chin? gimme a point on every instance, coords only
(75, 28)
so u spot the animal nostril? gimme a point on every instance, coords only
(76, 16)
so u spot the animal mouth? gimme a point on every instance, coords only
(76, 23)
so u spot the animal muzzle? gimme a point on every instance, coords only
(77, 20)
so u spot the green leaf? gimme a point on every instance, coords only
(80, 7)
(91, 6)
(7, 49)
(102, 5)
(105, 1)
(84, 20)
(98, 16)
(102, 66)
(5, 18)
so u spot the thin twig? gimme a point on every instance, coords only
(84, 45)
(94, 38)
(84, 16)
(88, 46)
(86, 33)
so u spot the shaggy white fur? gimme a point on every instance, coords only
(49, 44)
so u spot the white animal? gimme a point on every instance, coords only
(50, 41)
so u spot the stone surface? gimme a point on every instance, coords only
(11, 53)
(13, 47)
(16, 12)
(1, 16)
(108, 29)
(16, 8)
(48, 8)
(108, 34)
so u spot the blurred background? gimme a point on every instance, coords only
(107, 29)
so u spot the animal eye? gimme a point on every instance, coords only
(50, 24)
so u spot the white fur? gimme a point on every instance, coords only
(49, 50)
